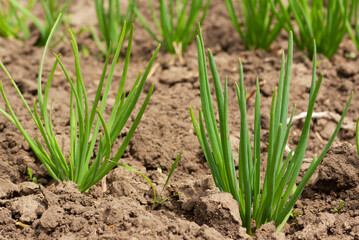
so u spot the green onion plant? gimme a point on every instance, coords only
(176, 22)
(53, 9)
(324, 23)
(111, 21)
(255, 22)
(12, 24)
(85, 122)
(275, 199)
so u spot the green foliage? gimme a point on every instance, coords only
(111, 21)
(32, 178)
(275, 200)
(325, 24)
(176, 22)
(13, 25)
(294, 214)
(254, 22)
(84, 127)
(353, 34)
(340, 206)
(53, 10)
(157, 200)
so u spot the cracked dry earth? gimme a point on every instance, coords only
(120, 206)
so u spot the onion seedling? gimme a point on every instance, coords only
(176, 22)
(325, 24)
(53, 10)
(111, 21)
(275, 199)
(85, 122)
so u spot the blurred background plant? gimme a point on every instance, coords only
(254, 21)
(53, 9)
(354, 35)
(111, 19)
(13, 24)
(176, 24)
(324, 21)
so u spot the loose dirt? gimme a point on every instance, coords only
(120, 206)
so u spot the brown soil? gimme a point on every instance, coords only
(119, 208)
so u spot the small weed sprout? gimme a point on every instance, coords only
(157, 200)
(294, 214)
(32, 178)
(340, 206)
